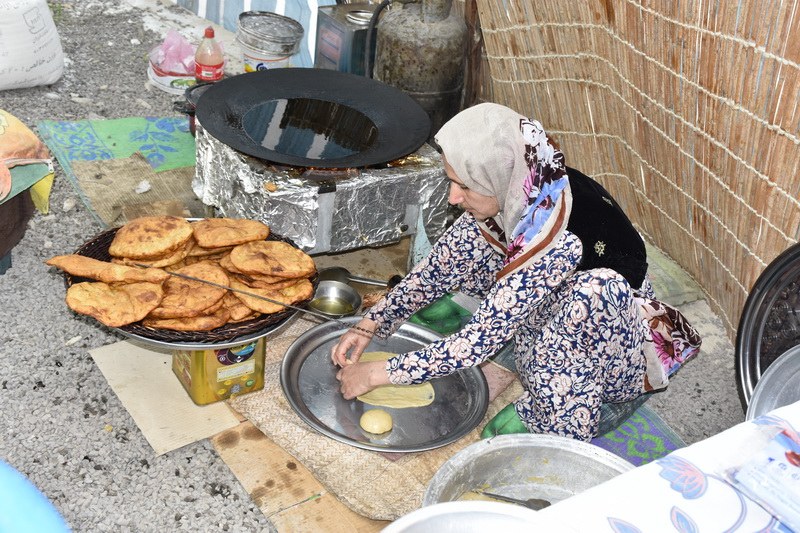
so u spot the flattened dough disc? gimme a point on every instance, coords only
(396, 396)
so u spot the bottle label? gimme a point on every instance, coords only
(208, 72)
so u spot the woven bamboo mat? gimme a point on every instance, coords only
(686, 112)
(129, 167)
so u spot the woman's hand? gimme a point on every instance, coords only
(359, 378)
(354, 341)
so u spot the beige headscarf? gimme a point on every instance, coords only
(497, 152)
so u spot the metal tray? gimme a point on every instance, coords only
(778, 386)
(308, 379)
(269, 331)
(770, 321)
(222, 337)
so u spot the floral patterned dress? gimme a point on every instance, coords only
(581, 337)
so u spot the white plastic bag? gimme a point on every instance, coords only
(30, 48)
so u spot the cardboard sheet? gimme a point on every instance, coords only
(145, 384)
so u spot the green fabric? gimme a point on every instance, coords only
(443, 316)
(165, 142)
(642, 438)
(25, 176)
(506, 422)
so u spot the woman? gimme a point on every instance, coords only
(560, 271)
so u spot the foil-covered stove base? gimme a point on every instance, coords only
(324, 210)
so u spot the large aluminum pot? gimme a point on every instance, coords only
(524, 466)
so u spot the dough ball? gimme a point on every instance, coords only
(376, 421)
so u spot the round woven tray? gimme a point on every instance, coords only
(97, 248)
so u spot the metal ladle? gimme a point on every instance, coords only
(531, 503)
(343, 275)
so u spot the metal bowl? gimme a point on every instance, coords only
(335, 299)
(524, 466)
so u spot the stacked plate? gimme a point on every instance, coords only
(778, 386)
(768, 337)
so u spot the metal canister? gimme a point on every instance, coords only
(220, 372)
(421, 49)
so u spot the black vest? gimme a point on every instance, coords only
(609, 239)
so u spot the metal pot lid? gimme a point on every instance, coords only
(778, 386)
(308, 379)
(770, 322)
(361, 17)
(313, 118)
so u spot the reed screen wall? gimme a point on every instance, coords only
(687, 111)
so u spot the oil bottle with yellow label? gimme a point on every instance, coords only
(214, 374)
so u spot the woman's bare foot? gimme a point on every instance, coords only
(497, 378)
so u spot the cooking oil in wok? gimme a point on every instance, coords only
(309, 128)
(332, 306)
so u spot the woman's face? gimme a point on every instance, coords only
(481, 207)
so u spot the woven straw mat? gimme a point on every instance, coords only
(376, 485)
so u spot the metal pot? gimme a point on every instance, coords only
(524, 466)
(189, 105)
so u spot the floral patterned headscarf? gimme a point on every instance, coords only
(497, 152)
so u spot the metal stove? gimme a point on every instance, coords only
(326, 210)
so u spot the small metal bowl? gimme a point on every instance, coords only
(335, 299)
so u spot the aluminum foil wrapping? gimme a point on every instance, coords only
(325, 210)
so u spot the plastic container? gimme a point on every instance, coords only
(209, 62)
(219, 373)
(267, 40)
(169, 82)
(470, 517)
(23, 508)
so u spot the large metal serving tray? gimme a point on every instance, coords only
(308, 378)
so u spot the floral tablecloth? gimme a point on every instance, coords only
(690, 489)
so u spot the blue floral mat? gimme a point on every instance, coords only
(166, 143)
(126, 167)
(642, 438)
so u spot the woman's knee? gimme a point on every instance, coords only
(603, 285)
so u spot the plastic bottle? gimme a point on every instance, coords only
(209, 63)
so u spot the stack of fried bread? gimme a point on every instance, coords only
(138, 285)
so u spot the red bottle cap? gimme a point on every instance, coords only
(209, 33)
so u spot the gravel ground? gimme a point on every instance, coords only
(62, 425)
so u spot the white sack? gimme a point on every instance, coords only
(30, 48)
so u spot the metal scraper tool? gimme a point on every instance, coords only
(321, 316)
